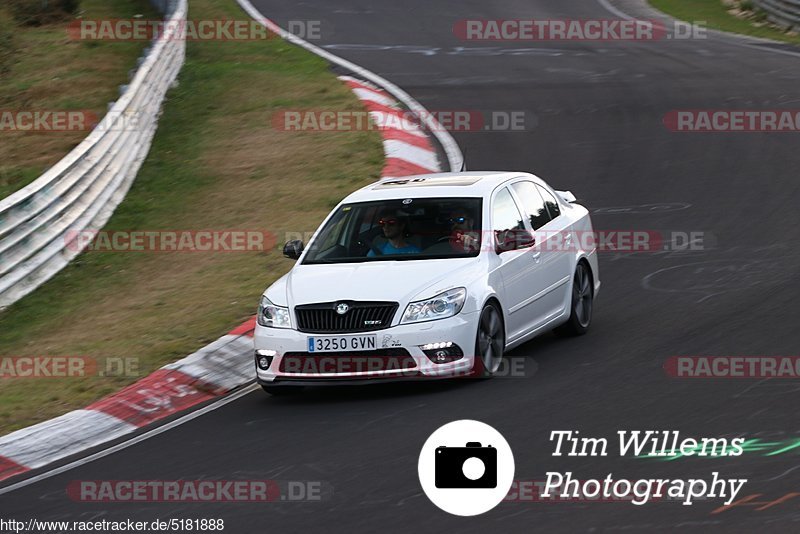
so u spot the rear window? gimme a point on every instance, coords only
(550, 202)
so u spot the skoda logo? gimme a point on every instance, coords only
(342, 308)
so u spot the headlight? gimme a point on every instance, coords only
(441, 306)
(273, 316)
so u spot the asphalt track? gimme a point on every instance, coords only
(598, 132)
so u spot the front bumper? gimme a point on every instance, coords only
(460, 330)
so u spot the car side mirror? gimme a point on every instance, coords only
(293, 249)
(513, 240)
(525, 239)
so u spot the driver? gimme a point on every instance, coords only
(394, 227)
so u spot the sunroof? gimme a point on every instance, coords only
(428, 182)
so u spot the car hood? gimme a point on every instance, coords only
(397, 281)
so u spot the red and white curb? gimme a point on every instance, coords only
(214, 370)
(209, 373)
(407, 147)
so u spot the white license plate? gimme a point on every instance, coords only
(341, 343)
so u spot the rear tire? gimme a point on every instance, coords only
(490, 342)
(580, 316)
(282, 391)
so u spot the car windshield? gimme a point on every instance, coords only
(399, 229)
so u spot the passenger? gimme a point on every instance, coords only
(463, 237)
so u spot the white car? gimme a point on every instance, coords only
(429, 276)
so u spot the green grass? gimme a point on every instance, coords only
(12, 177)
(41, 68)
(216, 163)
(717, 16)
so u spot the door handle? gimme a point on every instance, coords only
(536, 256)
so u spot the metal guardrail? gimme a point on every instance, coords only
(785, 13)
(80, 192)
(165, 6)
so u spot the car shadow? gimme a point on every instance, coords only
(328, 394)
(520, 363)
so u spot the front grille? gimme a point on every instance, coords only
(360, 317)
(396, 359)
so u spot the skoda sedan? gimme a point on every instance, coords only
(430, 276)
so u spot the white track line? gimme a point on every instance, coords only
(613, 10)
(736, 39)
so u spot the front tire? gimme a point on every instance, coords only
(490, 342)
(580, 317)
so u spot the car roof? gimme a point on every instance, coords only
(450, 184)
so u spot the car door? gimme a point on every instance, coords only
(547, 284)
(562, 247)
(516, 265)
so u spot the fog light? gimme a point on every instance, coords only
(264, 358)
(442, 352)
(440, 345)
